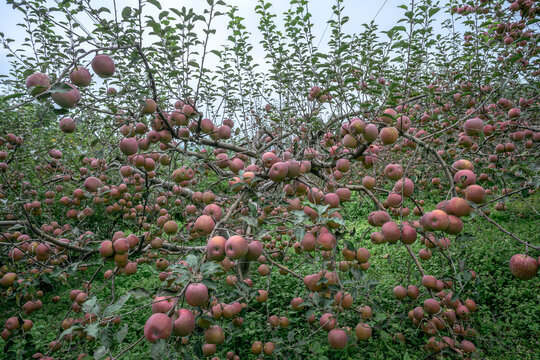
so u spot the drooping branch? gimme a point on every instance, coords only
(493, 222)
(380, 207)
(443, 164)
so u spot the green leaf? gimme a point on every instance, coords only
(380, 316)
(91, 305)
(69, 331)
(106, 337)
(12, 96)
(158, 349)
(315, 298)
(100, 352)
(121, 333)
(92, 329)
(299, 232)
(60, 111)
(117, 305)
(290, 336)
(337, 220)
(209, 284)
(250, 221)
(139, 292)
(60, 88)
(210, 268)
(126, 13)
(192, 261)
(433, 11)
(342, 48)
(252, 208)
(155, 3)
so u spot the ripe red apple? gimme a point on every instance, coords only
(523, 267)
(80, 77)
(269, 348)
(185, 323)
(38, 82)
(158, 326)
(473, 126)
(429, 281)
(337, 338)
(400, 292)
(103, 66)
(197, 295)
(362, 255)
(12, 323)
(391, 232)
(389, 135)
(327, 321)
(435, 220)
(106, 249)
(170, 227)
(8, 279)
(467, 346)
(255, 249)
(204, 225)
(215, 248)
(371, 132)
(278, 171)
(236, 247)
(129, 146)
(214, 335)
(121, 246)
(431, 306)
(257, 348)
(92, 184)
(67, 125)
(67, 99)
(475, 193)
(363, 331)
(163, 304)
(149, 106)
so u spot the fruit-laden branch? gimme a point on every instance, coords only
(530, 186)
(57, 242)
(284, 268)
(446, 170)
(380, 207)
(232, 147)
(64, 73)
(368, 193)
(10, 222)
(404, 102)
(229, 213)
(154, 89)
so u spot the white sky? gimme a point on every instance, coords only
(359, 11)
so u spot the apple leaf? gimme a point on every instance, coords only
(158, 349)
(121, 333)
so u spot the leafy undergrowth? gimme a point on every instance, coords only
(506, 320)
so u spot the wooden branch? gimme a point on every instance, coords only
(493, 222)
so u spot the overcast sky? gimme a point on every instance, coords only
(359, 11)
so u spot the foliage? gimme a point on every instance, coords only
(259, 196)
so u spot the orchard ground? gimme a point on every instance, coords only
(507, 321)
